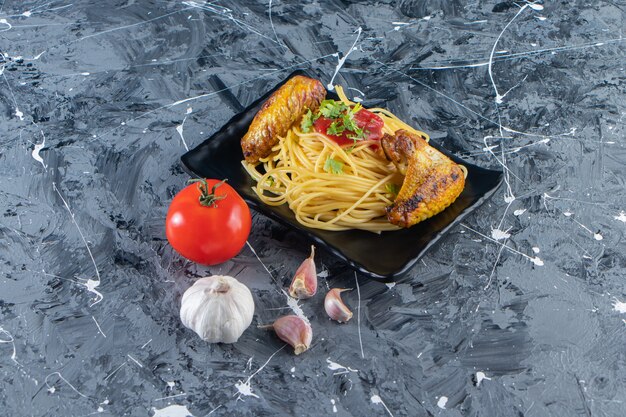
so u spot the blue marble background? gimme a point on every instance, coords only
(521, 311)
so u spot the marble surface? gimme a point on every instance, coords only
(520, 311)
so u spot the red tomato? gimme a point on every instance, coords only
(208, 223)
(366, 120)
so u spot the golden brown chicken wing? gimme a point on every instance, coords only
(285, 106)
(432, 180)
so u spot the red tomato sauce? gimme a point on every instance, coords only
(371, 124)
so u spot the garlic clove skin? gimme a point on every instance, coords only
(218, 308)
(304, 283)
(295, 331)
(334, 306)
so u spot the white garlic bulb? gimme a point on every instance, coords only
(218, 308)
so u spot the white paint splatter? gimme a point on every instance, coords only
(480, 376)
(90, 284)
(498, 234)
(19, 114)
(295, 307)
(334, 366)
(358, 291)
(390, 285)
(98, 326)
(12, 341)
(323, 274)
(534, 260)
(332, 401)
(171, 384)
(134, 360)
(519, 212)
(537, 261)
(619, 306)
(597, 236)
(499, 97)
(228, 14)
(52, 389)
(27, 13)
(215, 409)
(542, 18)
(375, 399)
(179, 129)
(441, 403)
(115, 371)
(174, 410)
(272, 24)
(244, 387)
(293, 369)
(341, 61)
(182, 394)
(567, 213)
(621, 217)
(536, 249)
(536, 6)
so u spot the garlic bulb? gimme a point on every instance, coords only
(218, 308)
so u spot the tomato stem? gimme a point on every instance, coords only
(208, 199)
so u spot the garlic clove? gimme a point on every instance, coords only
(334, 306)
(304, 283)
(295, 331)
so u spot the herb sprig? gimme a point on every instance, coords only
(332, 166)
(343, 116)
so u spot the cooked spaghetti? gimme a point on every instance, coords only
(329, 186)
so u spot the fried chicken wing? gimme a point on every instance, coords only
(432, 180)
(285, 107)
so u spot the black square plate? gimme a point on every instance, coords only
(385, 257)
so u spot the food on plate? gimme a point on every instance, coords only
(293, 330)
(304, 282)
(340, 166)
(285, 107)
(432, 181)
(208, 222)
(218, 308)
(335, 307)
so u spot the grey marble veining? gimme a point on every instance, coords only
(521, 311)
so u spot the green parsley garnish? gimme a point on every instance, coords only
(332, 109)
(335, 128)
(307, 121)
(342, 117)
(333, 166)
(392, 188)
